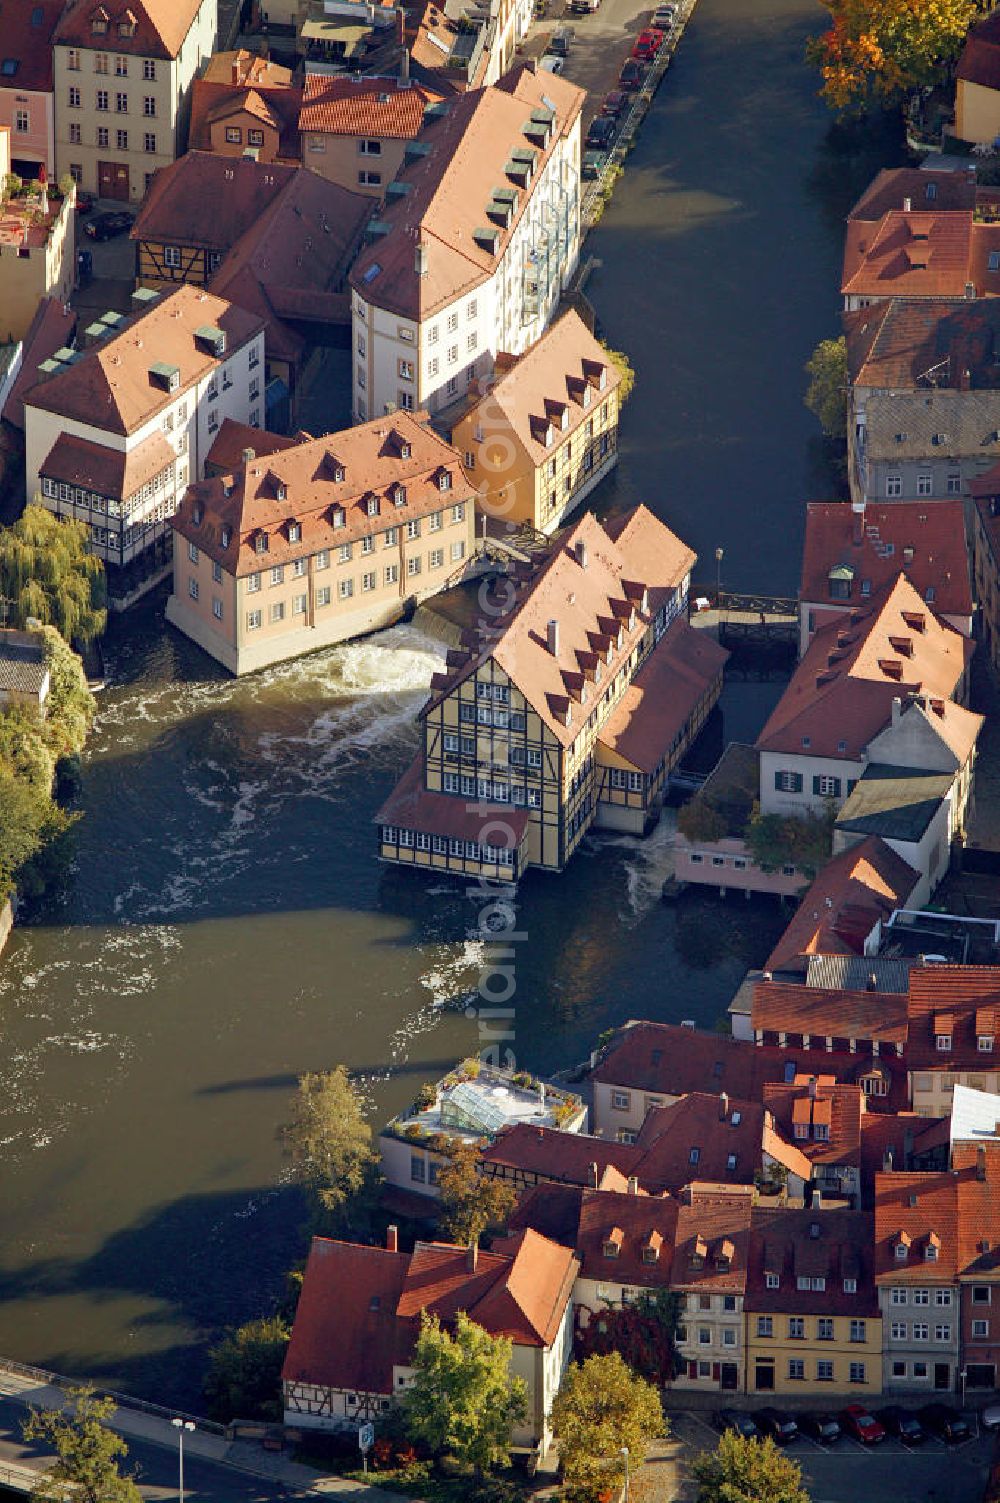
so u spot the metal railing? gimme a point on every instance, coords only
(123, 1400)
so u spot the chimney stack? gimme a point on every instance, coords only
(472, 1257)
(981, 1163)
(633, 1184)
(404, 65)
(392, 1239)
(858, 518)
(592, 1175)
(420, 259)
(236, 71)
(723, 1105)
(581, 554)
(897, 710)
(812, 1087)
(247, 456)
(552, 637)
(907, 205)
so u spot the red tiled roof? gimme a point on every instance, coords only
(925, 254)
(26, 39)
(841, 694)
(980, 59)
(213, 100)
(854, 891)
(899, 1134)
(977, 1167)
(832, 1245)
(411, 806)
(110, 472)
(564, 1157)
(669, 1059)
(837, 1108)
(233, 439)
(926, 190)
(346, 1332)
(960, 992)
(700, 1137)
(662, 697)
(780, 1007)
(160, 26)
(913, 1206)
(350, 106)
(713, 1221)
(924, 542)
(905, 343)
(521, 1293)
(550, 1209)
(52, 327)
(647, 1224)
(238, 188)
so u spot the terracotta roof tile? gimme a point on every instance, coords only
(841, 694)
(52, 327)
(980, 59)
(854, 891)
(710, 1137)
(110, 472)
(352, 106)
(346, 1332)
(520, 1293)
(234, 438)
(893, 1139)
(893, 185)
(550, 1209)
(26, 40)
(924, 542)
(959, 992)
(660, 700)
(904, 343)
(563, 1157)
(779, 1007)
(413, 807)
(908, 1208)
(832, 1245)
(111, 384)
(668, 1059)
(160, 26)
(837, 1109)
(711, 1242)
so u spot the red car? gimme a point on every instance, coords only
(856, 1420)
(614, 103)
(648, 45)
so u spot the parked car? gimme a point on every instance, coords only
(857, 1421)
(593, 163)
(664, 17)
(84, 202)
(735, 1419)
(632, 75)
(901, 1422)
(821, 1427)
(601, 132)
(614, 103)
(944, 1421)
(648, 44)
(584, 7)
(550, 64)
(990, 1417)
(560, 40)
(107, 226)
(777, 1424)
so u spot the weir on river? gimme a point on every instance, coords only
(227, 927)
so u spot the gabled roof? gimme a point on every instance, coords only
(853, 892)
(239, 189)
(841, 694)
(640, 1228)
(980, 59)
(109, 472)
(711, 1242)
(891, 187)
(275, 103)
(596, 583)
(376, 462)
(348, 105)
(664, 694)
(668, 1059)
(52, 328)
(830, 1114)
(346, 1332)
(925, 541)
(940, 424)
(828, 1245)
(926, 343)
(234, 438)
(26, 45)
(160, 26)
(564, 1157)
(449, 193)
(701, 1136)
(779, 1007)
(969, 996)
(521, 1293)
(977, 1169)
(917, 1211)
(925, 253)
(111, 386)
(895, 803)
(551, 390)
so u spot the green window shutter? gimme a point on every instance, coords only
(798, 781)
(777, 781)
(836, 787)
(816, 785)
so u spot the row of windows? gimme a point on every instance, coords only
(473, 850)
(321, 560)
(920, 1331)
(824, 1371)
(925, 485)
(492, 789)
(773, 1280)
(824, 785)
(102, 63)
(942, 1297)
(824, 1328)
(76, 495)
(739, 862)
(630, 781)
(102, 101)
(102, 138)
(580, 816)
(234, 135)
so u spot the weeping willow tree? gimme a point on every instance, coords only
(47, 573)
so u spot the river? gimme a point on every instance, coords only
(226, 926)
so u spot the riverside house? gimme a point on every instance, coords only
(37, 249)
(568, 710)
(544, 432)
(320, 541)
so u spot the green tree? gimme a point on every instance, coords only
(87, 1451)
(623, 365)
(70, 707)
(462, 1400)
(244, 1371)
(601, 1407)
(699, 820)
(24, 822)
(878, 51)
(643, 1332)
(23, 751)
(469, 1201)
(826, 395)
(802, 840)
(47, 573)
(328, 1140)
(747, 1471)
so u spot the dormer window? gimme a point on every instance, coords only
(126, 27)
(444, 481)
(281, 491)
(338, 474)
(613, 1242)
(337, 516)
(99, 21)
(294, 532)
(821, 1131)
(942, 1042)
(650, 1254)
(932, 1247)
(405, 450)
(801, 1130)
(373, 506)
(772, 1281)
(399, 495)
(260, 542)
(850, 1286)
(197, 513)
(586, 396)
(902, 1247)
(225, 537)
(984, 1043)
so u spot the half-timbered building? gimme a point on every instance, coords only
(569, 707)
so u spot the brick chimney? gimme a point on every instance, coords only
(633, 1184)
(236, 71)
(472, 1257)
(723, 1105)
(592, 1175)
(981, 1163)
(392, 1239)
(858, 518)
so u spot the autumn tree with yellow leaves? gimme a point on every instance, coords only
(877, 51)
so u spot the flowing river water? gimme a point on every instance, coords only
(226, 926)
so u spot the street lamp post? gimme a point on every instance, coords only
(964, 1375)
(180, 1426)
(625, 1455)
(719, 555)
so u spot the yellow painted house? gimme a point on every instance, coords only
(545, 432)
(813, 1324)
(567, 709)
(977, 84)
